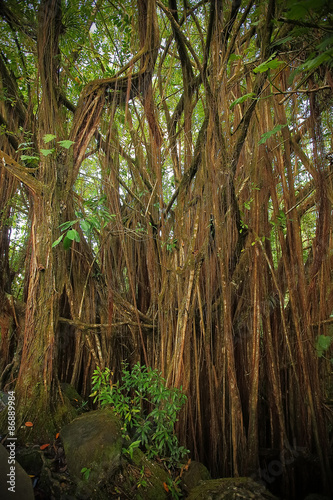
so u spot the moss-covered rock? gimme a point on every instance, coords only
(15, 484)
(194, 474)
(230, 489)
(93, 441)
(142, 479)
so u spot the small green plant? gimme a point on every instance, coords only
(142, 479)
(98, 218)
(86, 473)
(29, 156)
(70, 236)
(175, 488)
(243, 226)
(130, 450)
(50, 137)
(147, 407)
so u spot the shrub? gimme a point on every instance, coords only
(146, 406)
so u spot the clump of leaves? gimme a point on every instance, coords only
(85, 473)
(70, 236)
(147, 408)
(322, 344)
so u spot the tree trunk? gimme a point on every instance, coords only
(38, 392)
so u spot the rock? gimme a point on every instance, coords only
(93, 442)
(230, 489)
(31, 460)
(142, 479)
(21, 481)
(195, 473)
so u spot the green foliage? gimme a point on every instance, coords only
(147, 408)
(242, 99)
(322, 344)
(269, 134)
(141, 482)
(86, 473)
(317, 13)
(98, 217)
(47, 152)
(280, 221)
(171, 245)
(29, 158)
(174, 486)
(48, 138)
(130, 450)
(269, 64)
(66, 144)
(69, 237)
(300, 9)
(96, 220)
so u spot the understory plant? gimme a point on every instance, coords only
(147, 408)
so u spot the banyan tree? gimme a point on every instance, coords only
(166, 197)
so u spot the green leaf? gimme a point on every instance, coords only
(322, 344)
(56, 242)
(269, 64)
(26, 157)
(66, 225)
(94, 222)
(135, 444)
(73, 235)
(27, 145)
(47, 152)
(297, 10)
(85, 226)
(48, 138)
(242, 99)
(269, 134)
(66, 144)
(67, 243)
(283, 40)
(234, 57)
(317, 61)
(274, 64)
(85, 472)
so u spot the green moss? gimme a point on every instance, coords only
(46, 422)
(141, 469)
(94, 441)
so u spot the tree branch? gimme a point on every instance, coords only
(21, 173)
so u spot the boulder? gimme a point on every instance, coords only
(230, 489)
(194, 474)
(92, 442)
(142, 479)
(20, 481)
